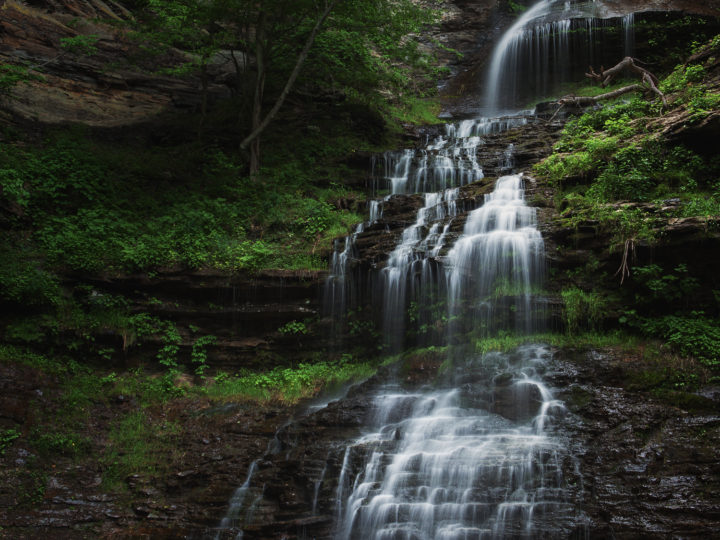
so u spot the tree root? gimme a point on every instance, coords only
(624, 269)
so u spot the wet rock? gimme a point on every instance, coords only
(519, 402)
(647, 465)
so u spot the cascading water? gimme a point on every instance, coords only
(442, 464)
(444, 164)
(412, 257)
(438, 169)
(479, 455)
(476, 458)
(502, 238)
(552, 44)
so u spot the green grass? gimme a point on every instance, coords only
(287, 385)
(507, 343)
(137, 445)
(419, 111)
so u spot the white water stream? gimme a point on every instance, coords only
(535, 55)
(440, 464)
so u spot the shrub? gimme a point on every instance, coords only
(692, 335)
(582, 310)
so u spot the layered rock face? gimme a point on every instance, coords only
(243, 312)
(115, 86)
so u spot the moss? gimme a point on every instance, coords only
(687, 401)
(577, 398)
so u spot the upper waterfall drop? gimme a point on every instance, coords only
(550, 44)
(509, 38)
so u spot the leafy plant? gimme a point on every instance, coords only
(582, 310)
(198, 355)
(7, 437)
(293, 328)
(61, 443)
(85, 45)
(694, 335)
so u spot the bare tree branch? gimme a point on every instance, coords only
(606, 76)
(293, 76)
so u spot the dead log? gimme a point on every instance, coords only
(606, 76)
(582, 101)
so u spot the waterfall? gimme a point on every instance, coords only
(412, 257)
(500, 237)
(549, 45)
(475, 456)
(479, 454)
(628, 22)
(443, 464)
(237, 504)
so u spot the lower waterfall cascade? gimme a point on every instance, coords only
(441, 464)
(476, 458)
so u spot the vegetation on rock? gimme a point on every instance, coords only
(630, 170)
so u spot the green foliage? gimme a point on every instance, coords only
(616, 153)
(85, 45)
(505, 342)
(694, 334)
(198, 355)
(671, 38)
(293, 328)
(25, 281)
(67, 444)
(416, 111)
(582, 310)
(10, 76)
(370, 47)
(289, 385)
(137, 445)
(558, 167)
(688, 82)
(7, 436)
(516, 7)
(24, 356)
(167, 355)
(32, 487)
(660, 286)
(89, 207)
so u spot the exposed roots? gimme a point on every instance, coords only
(624, 269)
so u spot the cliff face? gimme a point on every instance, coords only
(115, 86)
(630, 442)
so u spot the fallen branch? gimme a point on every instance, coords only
(582, 101)
(606, 76)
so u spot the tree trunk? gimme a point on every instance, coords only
(584, 101)
(256, 115)
(259, 127)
